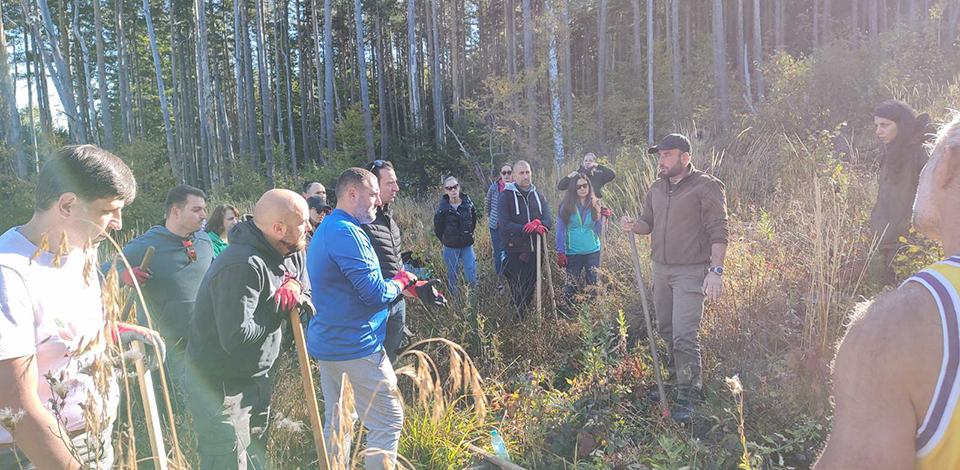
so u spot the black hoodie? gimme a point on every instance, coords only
(454, 227)
(236, 330)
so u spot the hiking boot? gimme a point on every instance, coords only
(682, 411)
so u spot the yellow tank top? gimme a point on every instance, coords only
(938, 438)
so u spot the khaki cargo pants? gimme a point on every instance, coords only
(678, 302)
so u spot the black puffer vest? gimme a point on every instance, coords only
(454, 227)
(385, 238)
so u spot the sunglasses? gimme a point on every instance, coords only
(451, 188)
(505, 173)
(377, 164)
(582, 186)
(191, 251)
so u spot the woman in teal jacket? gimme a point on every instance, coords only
(579, 227)
(223, 218)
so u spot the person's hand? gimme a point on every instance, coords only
(405, 279)
(628, 224)
(532, 226)
(541, 229)
(713, 286)
(154, 348)
(141, 275)
(606, 212)
(427, 292)
(573, 174)
(288, 294)
(562, 260)
(589, 166)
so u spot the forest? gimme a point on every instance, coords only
(239, 96)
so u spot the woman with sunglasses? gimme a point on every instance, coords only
(579, 227)
(493, 196)
(454, 224)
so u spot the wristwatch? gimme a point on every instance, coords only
(718, 270)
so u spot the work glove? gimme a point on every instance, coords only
(141, 275)
(606, 212)
(562, 260)
(155, 350)
(405, 278)
(427, 292)
(535, 226)
(288, 294)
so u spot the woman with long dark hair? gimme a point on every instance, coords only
(223, 218)
(579, 227)
(903, 134)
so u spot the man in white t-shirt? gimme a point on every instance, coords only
(55, 377)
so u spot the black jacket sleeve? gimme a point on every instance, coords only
(438, 222)
(564, 183)
(604, 174)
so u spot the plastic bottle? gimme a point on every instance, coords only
(499, 447)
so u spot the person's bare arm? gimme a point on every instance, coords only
(883, 376)
(37, 435)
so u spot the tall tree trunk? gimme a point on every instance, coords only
(20, 163)
(453, 35)
(364, 87)
(248, 82)
(382, 98)
(60, 73)
(758, 50)
(815, 41)
(318, 63)
(265, 97)
(306, 83)
(740, 36)
(601, 73)
(88, 109)
(328, 71)
(413, 65)
(530, 77)
(162, 94)
(720, 62)
(510, 20)
(106, 112)
(651, 99)
(30, 78)
(778, 26)
(284, 42)
(637, 56)
(553, 72)
(675, 58)
(439, 118)
(243, 114)
(126, 103)
(874, 19)
(208, 151)
(567, 62)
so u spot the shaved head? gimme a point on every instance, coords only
(282, 216)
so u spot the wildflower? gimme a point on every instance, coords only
(60, 389)
(9, 418)
(290, 425)
(733, 383)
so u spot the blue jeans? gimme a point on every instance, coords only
(498, 254)
(395, 325)
(454, 258)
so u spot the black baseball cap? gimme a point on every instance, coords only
(670, 142)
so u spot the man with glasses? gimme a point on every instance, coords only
(492, 199)
(385, 237)
(685, 214)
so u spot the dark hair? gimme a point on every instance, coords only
(571, 200)
(88, 171)
(352, 177)
(215, 222)
(306, 186)
(178, 196)
(377, 165)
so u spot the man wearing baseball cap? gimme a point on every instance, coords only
(685, 214)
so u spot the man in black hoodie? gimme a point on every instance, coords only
(385, 238)
(236, 329)
(523, 215)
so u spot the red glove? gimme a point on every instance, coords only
(141, 275)
(541, 229)
(531, 226)
(156, 350)
(606, 212)
(405, 278)
(288, 294)
(562, 260)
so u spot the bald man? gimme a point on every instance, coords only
(236, 329)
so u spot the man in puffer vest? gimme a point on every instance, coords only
(523, 216)
(385, 237)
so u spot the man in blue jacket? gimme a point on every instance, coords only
(346, 335)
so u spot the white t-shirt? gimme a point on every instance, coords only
(57, 315)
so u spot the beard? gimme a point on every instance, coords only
(366, 216)
(293, 247)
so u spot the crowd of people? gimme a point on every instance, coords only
(219, 289)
